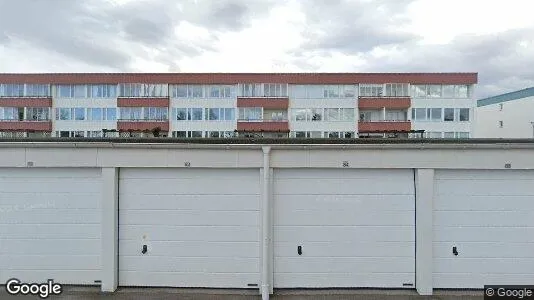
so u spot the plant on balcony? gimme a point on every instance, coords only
(156, 131)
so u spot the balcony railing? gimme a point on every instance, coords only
(263, 120)
(382, 126)
(26, 125)
(263, 125)
(384, 102)
(265, 102)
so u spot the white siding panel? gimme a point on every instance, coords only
(356, 228)
(50, 224)
(489, 216)
(200, 227)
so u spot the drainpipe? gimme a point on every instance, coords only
(266, 226)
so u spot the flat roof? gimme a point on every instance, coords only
(263, 141)
(528, 92)
(234, 78)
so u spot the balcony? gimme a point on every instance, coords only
(26, 102)
(263, 125)
(265, 102)
(384, 126)
(25, 125)
(142, 102)
(384, 102)
(142, 125)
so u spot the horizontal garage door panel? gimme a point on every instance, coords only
(201, 227)
(489, 216)
(50, 225)
(356, 228)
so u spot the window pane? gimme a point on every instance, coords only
(196, 114)
(79, 114)
(332, 114)
(213, 114)
(79, 91)
(180, 91)
(420, 114)
(434, 91)
(229, 114)
(215, 91)
(448, 135)
(462, 91)
(111, 114)
(298, 91)
(448, 91)
(349, 91)
(196, 134)
(448, 114)
(315, 91)
(316, 114)
(348, 114)
(95, 114)
(435, 114)
(64, 91)
(195, 91)
(464, 114)
(299, 114)
(180, 134)
(180, 114)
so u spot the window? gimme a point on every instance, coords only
(11, 90)
(179, 91)
(331, 135)
(419, 114)
(434, 114)
(70, 114)
(131, 113)
(397, 90)
(250, 113)
(180, 114)
(301, 134)
(298, 91)
(316, 114)
(37, 90)
(37, 113)
(448, 114)
(94, 134)
(11, 113)
(194, 114)
(72, 91)
(347, 114)
(102, 91)
(315, 91)
(419, 91)
(371, 90)
(501, 124)
(219, 114)
(143, 90)
(448, 135)
(298, 114)
(67, 134)
(462, 135)
(278, 116)
(219, 134)
(195, 91)
(179, 134)
(275, 90)
(194, 134)
(155, 113)
(462, 91)
(433, 91)
(449, 91)
(332, 114)
(331, 91)
(348, 91)
(250, 90)
(433, 135)
(79, 114)
(111, 114)
(94, 114)
(463, 114)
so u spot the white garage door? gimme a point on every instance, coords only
(50, 225)
(200, 227)
(355, 228)
(488, 215)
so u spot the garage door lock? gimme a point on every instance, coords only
(454, 251)
(299, 250)
(144, 250)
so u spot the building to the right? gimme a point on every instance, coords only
(509, 115)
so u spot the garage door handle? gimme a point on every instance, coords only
(299, 250)
(145, 249)
(454, 251)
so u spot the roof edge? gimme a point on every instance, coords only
(511, 96)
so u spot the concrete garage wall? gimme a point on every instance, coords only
(424, 159)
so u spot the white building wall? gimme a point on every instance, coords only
(516, 116)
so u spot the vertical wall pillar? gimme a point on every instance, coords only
(110, 229)
(424, 196)
(266, 240)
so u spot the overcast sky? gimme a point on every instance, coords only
(492, 37)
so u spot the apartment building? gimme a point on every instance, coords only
(509, 115)
(191, 105)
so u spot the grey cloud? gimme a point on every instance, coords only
(98, 32)
(500, 59)
(354, 26)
